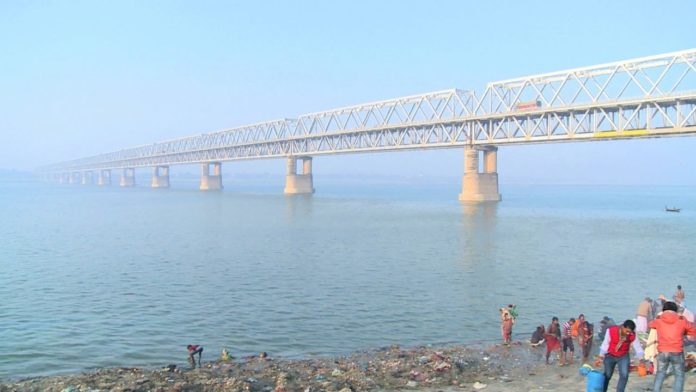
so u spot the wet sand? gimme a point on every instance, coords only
(496, 368)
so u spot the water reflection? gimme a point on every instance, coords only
(487, 209)
(478, 231)
(298, 206)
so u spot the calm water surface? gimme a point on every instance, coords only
(95, 277)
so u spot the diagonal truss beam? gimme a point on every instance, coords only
(645, 97)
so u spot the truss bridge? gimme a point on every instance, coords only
(646, 97)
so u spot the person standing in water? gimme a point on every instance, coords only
(506, 321)
(679, 295)
(194, 349)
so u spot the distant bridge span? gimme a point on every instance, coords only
(641, 98)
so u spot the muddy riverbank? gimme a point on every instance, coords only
(496, 368)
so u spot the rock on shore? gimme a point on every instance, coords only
(495, 369)
(391, 368)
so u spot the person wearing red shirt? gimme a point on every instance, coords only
(615, 351)
(671, 328)
(553, 340)
(585, 337)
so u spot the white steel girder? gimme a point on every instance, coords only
(646, 97)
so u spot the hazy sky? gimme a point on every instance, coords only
(79, 78)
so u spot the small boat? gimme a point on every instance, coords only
(673, 209)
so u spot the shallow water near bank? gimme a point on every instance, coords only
(96, 277)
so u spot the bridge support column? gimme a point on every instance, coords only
(104, 178)
(477, 186)
(127, 177)
(64, 178)
(75, 177)
(299, 183)
(211, 182)
(87, 178)
(160, 177)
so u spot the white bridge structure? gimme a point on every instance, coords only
(641, 98)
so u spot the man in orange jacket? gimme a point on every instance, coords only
(671, 328)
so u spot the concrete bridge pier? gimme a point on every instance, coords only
(64, 178)
(75, 178)
(211, 182)
(127, 177)
(104, 178)
(87, 177)
(480, 186)
(296, 184)
(160, 177)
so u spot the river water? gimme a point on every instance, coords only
(93, 277)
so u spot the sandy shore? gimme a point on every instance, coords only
(496, 368)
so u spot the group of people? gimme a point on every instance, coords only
(563, 337)
(668, 327)
(668, 323)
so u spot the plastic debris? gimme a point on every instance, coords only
(391, 368)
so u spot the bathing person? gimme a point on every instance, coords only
(553, 339)
(193, 350)
(538, 336)
(679, 295)
(506, 322)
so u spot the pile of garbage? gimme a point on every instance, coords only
(385, 369)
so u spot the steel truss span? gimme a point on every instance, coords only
(647, 97)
